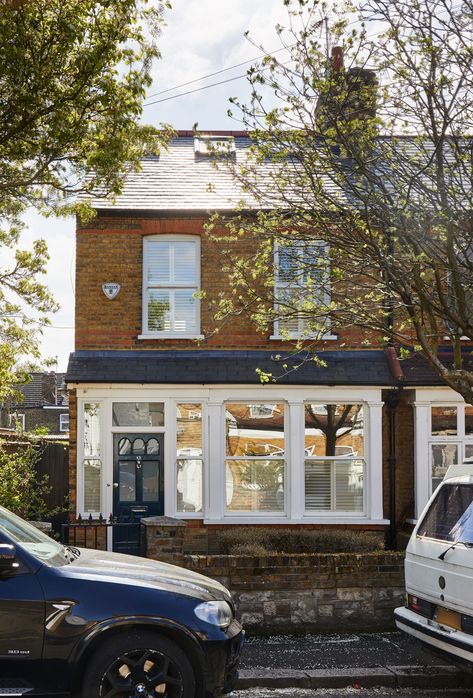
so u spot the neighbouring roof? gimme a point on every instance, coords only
(366, 367)
(418, 371)
(182, 178)
(45, 389)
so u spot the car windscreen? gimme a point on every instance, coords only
(31, 539)
(450, 516)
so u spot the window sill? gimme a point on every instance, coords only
(171, 336)
(303, 338)
(251, 519)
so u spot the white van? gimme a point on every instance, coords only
(439, 570)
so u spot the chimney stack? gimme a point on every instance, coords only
(350, 94)
(337, 59)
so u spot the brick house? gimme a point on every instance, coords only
(170, 418)
(44, 403)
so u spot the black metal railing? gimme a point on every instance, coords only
(126, 536)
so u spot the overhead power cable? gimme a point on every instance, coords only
(218, 72)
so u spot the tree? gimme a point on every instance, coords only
(368, 204)
(74, 76)
(22, 490)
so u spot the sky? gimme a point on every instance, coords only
(200, 37)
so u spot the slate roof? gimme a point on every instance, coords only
(418, 371)
(367, 367)
(43, 390)
(179, 179)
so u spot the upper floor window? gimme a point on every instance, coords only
(64, 422)
(170, 286)
(301, 276)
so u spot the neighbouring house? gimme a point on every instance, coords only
(44, 403)
(170, 418)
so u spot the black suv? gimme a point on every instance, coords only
(88, 623)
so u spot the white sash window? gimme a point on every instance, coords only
(170, 286)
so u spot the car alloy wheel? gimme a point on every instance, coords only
(142, 673)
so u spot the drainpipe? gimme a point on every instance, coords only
(392, 401)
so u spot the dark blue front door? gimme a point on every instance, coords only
(138, 486)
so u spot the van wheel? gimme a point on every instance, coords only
(139, 665)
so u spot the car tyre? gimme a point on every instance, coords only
(137, 664)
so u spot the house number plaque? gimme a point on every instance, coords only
(111, 290)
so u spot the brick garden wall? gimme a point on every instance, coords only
(300, 593)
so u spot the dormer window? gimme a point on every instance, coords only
(171, 282)
(210, 145)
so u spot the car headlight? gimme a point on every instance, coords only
(218, 613)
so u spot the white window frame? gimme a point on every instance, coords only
(15, 418)
(61, 422)
(425, 399)
(280, 286)
(263, 515)
(460, 439)
(149, 334)
(214, 145)
(334, 459)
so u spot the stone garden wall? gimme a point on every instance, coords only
(310, 592)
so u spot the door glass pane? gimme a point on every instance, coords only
(150, 472)
(124, 446)
(152, 447)
(468, 420)
(255, 429)
(444, 420)
(334, 430)
(138, 447)
(256, 485)
(127, 481)
(443, 455)
(138, 414)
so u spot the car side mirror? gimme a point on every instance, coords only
(7, 557)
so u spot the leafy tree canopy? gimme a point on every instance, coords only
(368, 203)
(73, 79)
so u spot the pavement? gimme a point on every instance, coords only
(333, 661)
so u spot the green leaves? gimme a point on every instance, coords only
(73, 79)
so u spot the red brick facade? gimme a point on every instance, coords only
(109, 249)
